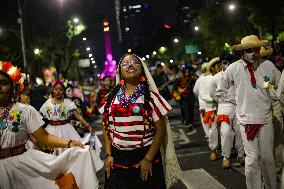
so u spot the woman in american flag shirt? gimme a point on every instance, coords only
(135, 125)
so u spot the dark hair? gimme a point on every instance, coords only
(11, 83)
(112, 94)
(105, 77)
(228, 57)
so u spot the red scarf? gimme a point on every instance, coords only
(252, 130)
(251, 72)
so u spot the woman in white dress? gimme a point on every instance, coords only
(58, 110)
(32, 169)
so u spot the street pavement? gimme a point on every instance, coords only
(199, 172)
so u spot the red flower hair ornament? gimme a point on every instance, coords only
(14, 73)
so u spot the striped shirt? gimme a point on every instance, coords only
(130, 130)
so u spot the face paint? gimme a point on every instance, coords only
(250, 55)
(69, 92)
(225, 64)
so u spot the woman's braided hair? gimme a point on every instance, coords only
(112, 94)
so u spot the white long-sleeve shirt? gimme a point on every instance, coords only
(202, 103)
(227, 105)
(253, 104)
(207, 92)
(280, 90)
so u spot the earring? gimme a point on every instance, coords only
(121, 82)
(142, 78)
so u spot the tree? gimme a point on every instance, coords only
(267, 17)
(219, 26)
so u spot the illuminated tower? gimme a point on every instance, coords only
(110, 64)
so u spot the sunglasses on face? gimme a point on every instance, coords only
(130, 62)
(252, 50)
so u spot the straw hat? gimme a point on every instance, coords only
(265, 52)
(211, 62)
(251, 41)
(204, 66)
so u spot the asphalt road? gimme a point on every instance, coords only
(199, 172)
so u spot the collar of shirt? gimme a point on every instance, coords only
(245, 64)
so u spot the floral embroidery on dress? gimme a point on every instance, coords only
(58, 110)
(11, 120)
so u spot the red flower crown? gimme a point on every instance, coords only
(14, 73)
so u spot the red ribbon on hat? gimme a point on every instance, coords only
(251, 72)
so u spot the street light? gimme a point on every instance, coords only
(171, 61)
(232, 7)
(84, 38)
(147, 56)
(196, 28)
(76, 20)
(88, 48)
(199, 52)
(90, 55)
(154, 53)
(176, 40)
(36, 51)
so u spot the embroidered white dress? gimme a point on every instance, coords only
(61, 112)
(34, 169)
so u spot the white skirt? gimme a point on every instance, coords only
(34, 169)
(65, 131)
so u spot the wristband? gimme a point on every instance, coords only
(69, 143)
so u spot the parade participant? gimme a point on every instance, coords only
(226, 119)
(138, 142)
(162, 81)
(253, 109)
(22, 168)
(202, 103)
(207, 93)
(58, 111)
(183, 92)
(104, 90)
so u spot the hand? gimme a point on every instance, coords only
(91, 130)
(109, 165)
(181, 90)
(75, 143)
(146, 168)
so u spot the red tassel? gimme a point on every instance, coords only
(121, 82)
(142, 78)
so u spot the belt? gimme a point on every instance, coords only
(14, 151)
(59, 122)
(136, 166)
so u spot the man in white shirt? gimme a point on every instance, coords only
(229, 129)
(202, 103)
(253, 109)
(207, 93)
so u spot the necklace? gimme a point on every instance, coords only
(125, 101)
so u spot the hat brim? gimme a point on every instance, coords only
(251, 45)
(212, 62)
(266, 52)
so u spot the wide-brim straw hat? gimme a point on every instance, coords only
(251, 41)
(212, 62)
(204, 66)
(265, 52)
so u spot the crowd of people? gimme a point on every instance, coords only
(44, 131)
